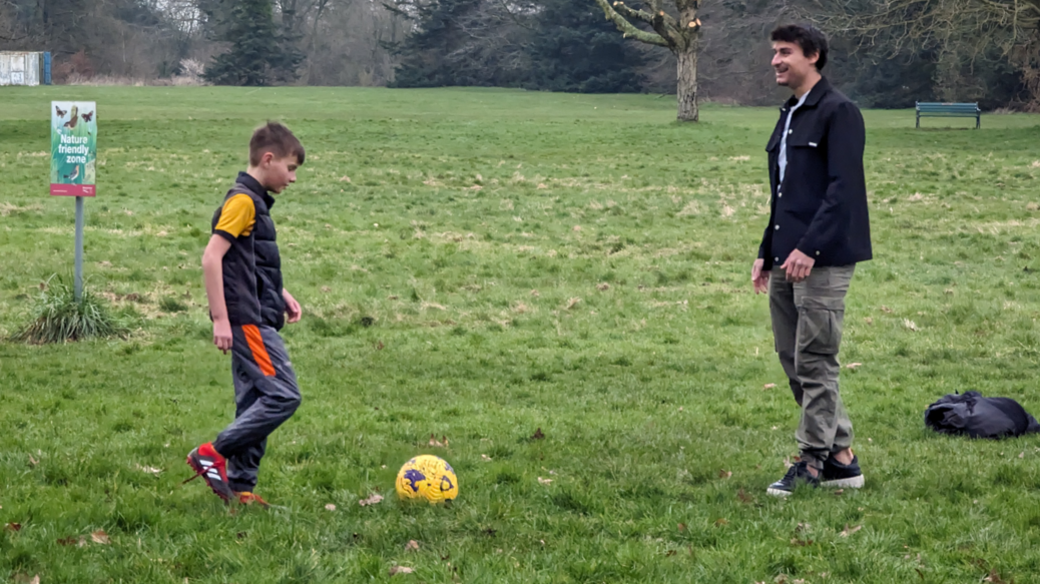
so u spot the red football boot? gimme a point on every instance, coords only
(210, 465)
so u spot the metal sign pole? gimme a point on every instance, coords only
(79, 249)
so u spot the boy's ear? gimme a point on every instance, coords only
(266, 158)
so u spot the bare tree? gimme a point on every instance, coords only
(346, 42)
(679, 33)
(957, 31)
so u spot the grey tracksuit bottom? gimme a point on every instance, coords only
(266, 394)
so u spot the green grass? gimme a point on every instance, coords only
(478, 264)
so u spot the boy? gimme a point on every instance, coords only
(242, 270)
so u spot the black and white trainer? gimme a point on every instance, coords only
(842, 476)
(796, 475)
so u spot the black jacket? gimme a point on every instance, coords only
(979, 417)
(253, 266)
(821, 207)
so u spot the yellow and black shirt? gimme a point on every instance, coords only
(252, 266)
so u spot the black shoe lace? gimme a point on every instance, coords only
(799, 470)
(793, 472)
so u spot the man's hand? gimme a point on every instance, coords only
(292, 307)
(798, 266)
(759, 278)
(222, 335)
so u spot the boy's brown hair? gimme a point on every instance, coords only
(275, 138)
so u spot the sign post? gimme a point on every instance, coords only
(74, 163)
(79, 249)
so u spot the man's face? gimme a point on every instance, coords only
(791, 65)
(280, 172)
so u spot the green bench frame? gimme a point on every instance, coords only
(949, 110)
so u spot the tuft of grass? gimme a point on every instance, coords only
(58, 317)
(171, 304)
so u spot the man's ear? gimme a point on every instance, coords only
(813, 57)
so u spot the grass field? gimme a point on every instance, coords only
(577, 264)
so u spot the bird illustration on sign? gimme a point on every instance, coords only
(73, 119)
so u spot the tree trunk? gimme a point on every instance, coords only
(686, 64)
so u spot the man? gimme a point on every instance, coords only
(818, 229)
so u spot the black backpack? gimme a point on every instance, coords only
(979, 417)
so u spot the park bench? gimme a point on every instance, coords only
(949, 110)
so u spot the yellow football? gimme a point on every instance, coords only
(427, 477)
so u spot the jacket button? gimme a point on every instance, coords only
(779, 195)
(776, 228)
(789, 132)
(776, 259)
(817, 252)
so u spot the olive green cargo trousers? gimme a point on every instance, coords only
(807, 324)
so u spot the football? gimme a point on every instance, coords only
(427, 477)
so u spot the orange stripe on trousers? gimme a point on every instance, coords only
(256, 345)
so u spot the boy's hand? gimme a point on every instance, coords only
(222, 335)
(292, 307)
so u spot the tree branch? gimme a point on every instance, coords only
(629, 30)
(1016, 11)
(631, 13)
(516, 20)
(668, 28)
(662, 23)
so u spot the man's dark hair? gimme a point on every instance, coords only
(275, 138)
(808, 37)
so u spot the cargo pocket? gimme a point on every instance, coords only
(819, 325)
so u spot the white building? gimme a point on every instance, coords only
(20, 68)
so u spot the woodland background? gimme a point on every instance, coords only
(886, 53)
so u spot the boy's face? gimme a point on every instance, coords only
(791, 65)
(278, 172)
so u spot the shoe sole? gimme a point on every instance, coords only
(778, 492)
(201, 471)
(855, 482)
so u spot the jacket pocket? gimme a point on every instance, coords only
(812, 138)
(774, 141)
